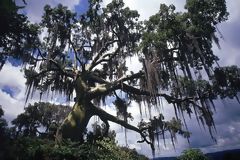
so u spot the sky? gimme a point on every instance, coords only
(227, 119)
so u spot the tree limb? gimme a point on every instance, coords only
(107, 125)
(56, 64)
(103, 58)
(104, 115)
(75, 53)
(169, 99)
(130, 77)
(102, 50)
(108, 87)
(98, 79)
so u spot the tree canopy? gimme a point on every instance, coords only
(86, 56)
(17, 35)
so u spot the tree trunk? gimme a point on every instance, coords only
(75, 123)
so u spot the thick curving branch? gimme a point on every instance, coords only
(130, 77)
(97, 79)
(170, 99)
(108, 117)
(107, 87)
(106, 123)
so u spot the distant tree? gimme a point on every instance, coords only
(231, 156)
(3, 124)
(3, 134)
(193, 154)
(87, 56)
(40, 116)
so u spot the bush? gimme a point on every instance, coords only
(27, 148)
(192, 154)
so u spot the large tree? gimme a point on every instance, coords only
(87, 56)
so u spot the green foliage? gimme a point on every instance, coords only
(34, 148)
(17, 35)
(45, 115)
(58, 22)
(211, 11)
(172, 127)
(97, 145)
(3, 124)
(192, 154)
(4, 135)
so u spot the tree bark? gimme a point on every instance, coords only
(75, 123)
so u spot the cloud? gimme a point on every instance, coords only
(230, 44)
(233, 9)
(13, 78)
(13, 101)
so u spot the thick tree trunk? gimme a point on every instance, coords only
(77, 120)
(75, 123)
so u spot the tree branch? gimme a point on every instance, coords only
(130, 77)
(107, 125)
(75, 53)
(98, 79)
(108, 87)
(102, 50)
(56, 64)
(106, 116)
(103, 58)
(169, 99)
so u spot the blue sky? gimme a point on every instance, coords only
(81, 7)
(227, 119)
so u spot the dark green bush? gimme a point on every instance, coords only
(192, 154)
(27, 148)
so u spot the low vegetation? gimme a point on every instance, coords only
(19, 144)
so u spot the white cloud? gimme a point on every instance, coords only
(12, 77)
(9, 74)
(233, 8)
(133, 64)
(13, 105)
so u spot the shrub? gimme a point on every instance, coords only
(192, 154)
(35, 148)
